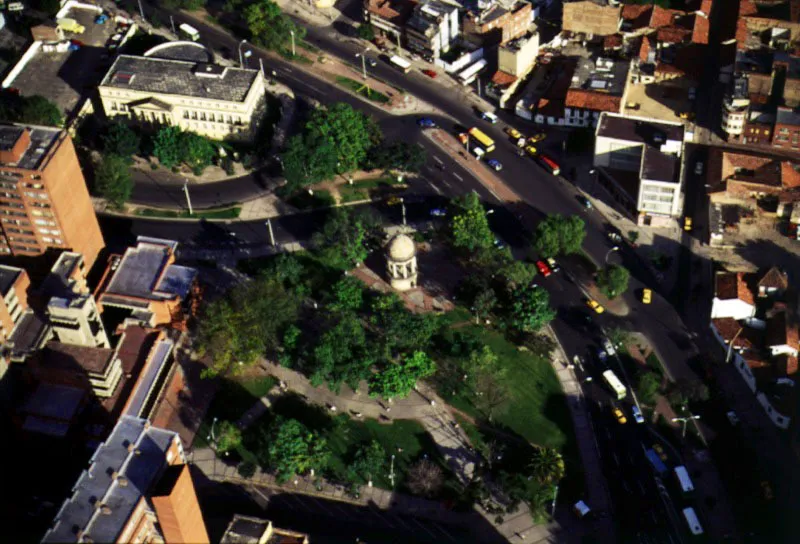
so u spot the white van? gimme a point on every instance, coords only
(489, 116)
(692, 521)
(581, 509)
(478, 152)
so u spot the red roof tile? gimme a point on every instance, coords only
(790, 177)
(662, 17)
(747, 7)
(612, 41)
(700, 30)
(589, 100)
(774, 278)
(503, 78)
(673, 34)
(644, 49)
(733, 285)
(727, 327)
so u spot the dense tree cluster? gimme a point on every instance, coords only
(613, 280)
(559, 235)
(34, 110)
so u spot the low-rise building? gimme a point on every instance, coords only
(748, 177)
(735, 107)
(786, 134)
(499, 23)
(432, 28)
(515, 60)
(388, 17)
(733, 297)
(250, 530)
(146, 282)
(640, 161)
(591, 17)
(138, 488)
(14, 285)
(219, 102)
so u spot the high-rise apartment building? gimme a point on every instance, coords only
(44, 202)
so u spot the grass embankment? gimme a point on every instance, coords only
(227, 213)
(361, 89)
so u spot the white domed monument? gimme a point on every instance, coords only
(401, 262)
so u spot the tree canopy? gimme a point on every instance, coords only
(228, 437)
(347, 294)
(613, 280)
(368, 462)
(113, 180)
(35, 110)
(340, 242)
(342, 354)
(173, 146)
(244, 324)
(469, 225)
(290, 448)
(270, 27)
(556, 235)
(120, 139)
(400, 155)
(397, 380)
(546, 465)
(530, 309)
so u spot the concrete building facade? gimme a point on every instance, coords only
(215, 101)
(498, 24)
(14, 284)
(517, 57)
(432, 28)
(44, 202)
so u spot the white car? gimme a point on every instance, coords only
(637, 415)
(609, 347)
(698, 168)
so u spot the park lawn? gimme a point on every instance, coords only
(362, 89)
(365, 189)
(227, 213)
(536, 409)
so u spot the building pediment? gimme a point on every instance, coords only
(150, 104)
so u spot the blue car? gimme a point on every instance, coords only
(426, 122)
(495, 164)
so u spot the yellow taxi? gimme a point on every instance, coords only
(621, 419)
(647, 296)
(532, 151)
(596, 306)
(536, 138)
(687, 224)
(513, 133)
(688, 115)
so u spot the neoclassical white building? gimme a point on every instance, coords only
(401, 262)
(178, 84)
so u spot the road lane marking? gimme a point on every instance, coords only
(446, 183)
(616, 459)
(435, 188)
(437, 159)
(459, 178)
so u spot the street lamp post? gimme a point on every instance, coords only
(685, 421)
(294, 52)
(610, 251)
(241, 58)
(391, 472)
(271, 234)
(188, 200)
(141, 11)
(363, 56)
(172, 24)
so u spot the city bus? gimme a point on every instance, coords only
(549, 164)
(401, 63)
(691, 520)
(483, 140)
(615, 384)
(682, 475)
(471, 73)
(190, 31)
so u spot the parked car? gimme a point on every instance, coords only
(698, 168)
(585, 202)
(637, 414)
(596, 306)
(426, 122)
(372, 62)
(621, 419)
(544, 270)
(609, 347)
(499, 244)
(660, 451)
(438, 212)
(647, 295)
(581, 509)
(615, 237)
(551, 262)
(489, 116)
(687, 224)
(733, 418)
(495, 164)
(536, 138)
(513, 133)
(532, 151)
(430, 73)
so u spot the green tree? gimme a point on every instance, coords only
(306, 162)
(121, 140)
(37, 110)
(368, 462)
(340, 243)
(613, 280)
(347, 294)
(491, 393)
(228, 437)
(241, 326)
(399, 329)
(530, 309)
(406, 156)
(557, 235)
(270, 27)
(620, 337)
(342, 354)
(425, 478)
(167, 146)
(366, 32)
(290, 448)
(517, 273)
(647, 386)
(397, 380)
(469, 225)
(546, 465)
(483, 304)
(113, 180)
(287, 269)
(196, 151)
(633, 235)
(348, 130)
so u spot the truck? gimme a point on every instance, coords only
(190, 31)
(400, 63)
(70, 25)
(615, 384)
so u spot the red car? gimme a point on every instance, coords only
(430, 73)
(544, 270)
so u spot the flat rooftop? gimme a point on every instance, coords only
(658, 166)
(662, 102)
(8, 275)
(67, 78)
(180, 78)
(635, 130)
(144, 272)
(135, 455)
(72, 357)
(602, 75)
(42, 139)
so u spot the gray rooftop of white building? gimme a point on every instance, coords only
(122, 470)
(180, 78)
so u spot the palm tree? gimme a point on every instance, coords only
(546, 465)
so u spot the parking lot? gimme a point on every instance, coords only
(68, 77)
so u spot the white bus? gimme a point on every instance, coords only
(189, 31)
(691, 520)
(615, 384)
(401, 63)
(470, 74)
(684, 481)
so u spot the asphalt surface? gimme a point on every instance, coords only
(542, 192)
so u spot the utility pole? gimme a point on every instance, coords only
(261, 65)
(553, 507)
(730, 345)
(479, 87)
(391, 472)
(271, 234)
(188, 200)
(172, 24)
(403, 206)
(294, 52)
(141, 12)
(399, 47)
(363, 64)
